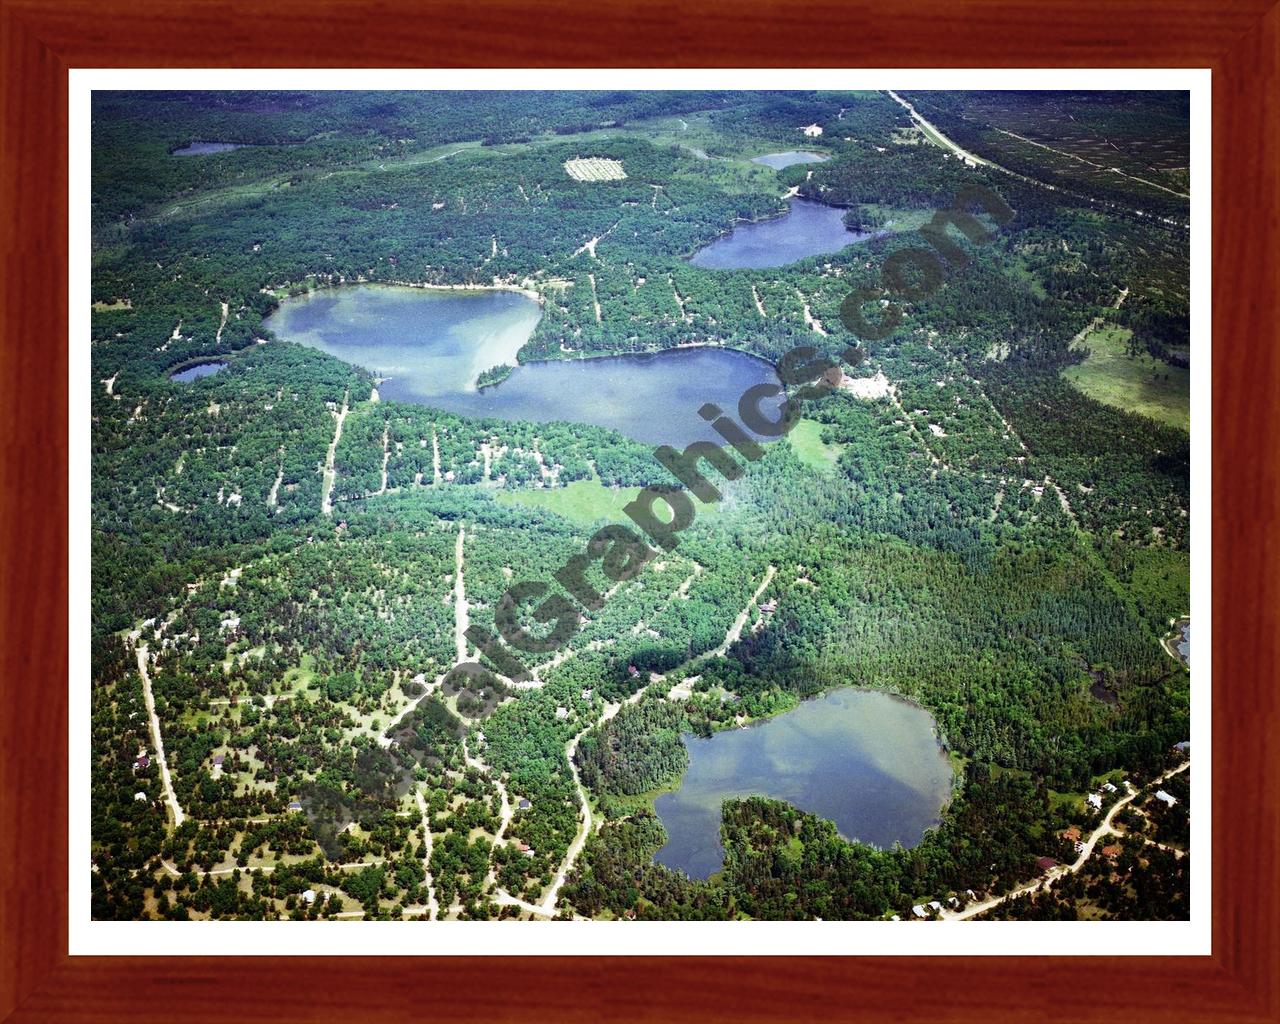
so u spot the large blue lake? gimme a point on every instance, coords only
(806, 229)
(432, 345)
(867, 761)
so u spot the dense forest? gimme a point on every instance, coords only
(305, 589)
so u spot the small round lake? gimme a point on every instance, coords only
(867, 761)
(431, 345)
(806, 229)
(190, 373)
(788, 159)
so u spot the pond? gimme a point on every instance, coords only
(788, 159)
(806, 229)
(1184, 645)
(195, 372)
(431, 345)
(205, 148)
(867, 761)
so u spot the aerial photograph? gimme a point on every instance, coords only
(639, 506)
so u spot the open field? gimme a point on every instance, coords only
(1140, 384)
(595, 168)
(806, 441)
(583, 501)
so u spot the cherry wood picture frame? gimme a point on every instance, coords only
(40, 40)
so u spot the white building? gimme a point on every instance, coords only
(1166, 797)
(812, 130)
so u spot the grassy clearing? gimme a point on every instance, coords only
(583, 501)
(1140, 384)
(589, 501)
(806, 441)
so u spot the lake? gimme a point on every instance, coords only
(867, 761)
(433, 344)
(190, 373)
(788, 159)
(806, 229)
(205, 148)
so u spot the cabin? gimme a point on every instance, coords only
(1045, 863)
(1072, 834)
(1112, 851)
(1167, 798)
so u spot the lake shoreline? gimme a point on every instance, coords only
(873, 773)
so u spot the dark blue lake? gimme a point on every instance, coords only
(806, 229)
(197, 371)
(432, 345)
(866, 761)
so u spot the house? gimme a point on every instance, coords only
(140, 797)
(1112, 851)
(953, 901)
(1184, 746)
(895, 918)
(522, 846)
(812, 131)
(769, 607)
(919, 911)
(1109, 787)
(935, 906)
(1166, 797)
(142, 762)
(1094, 800)
(1045, 863)
(1071, 835)
(295, 805)
(586, 694)
(632, 671)
(562, 713)
(970, 893)
(524, 804)
(309, 896)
